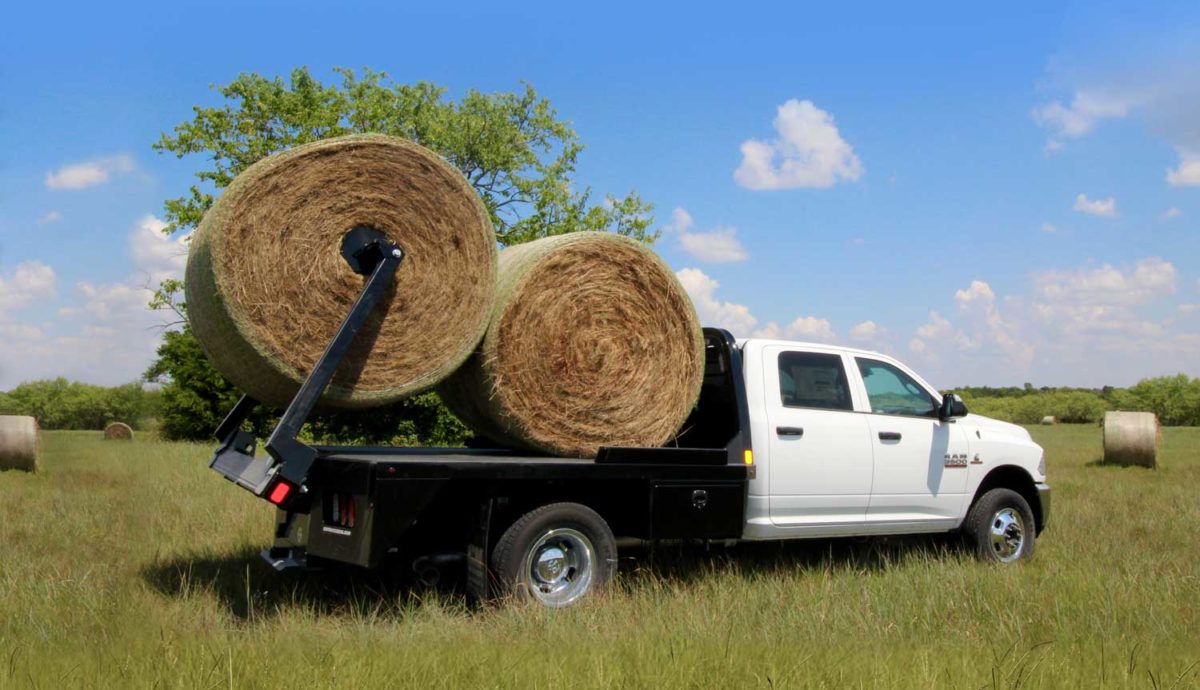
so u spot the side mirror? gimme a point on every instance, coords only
(952, 407)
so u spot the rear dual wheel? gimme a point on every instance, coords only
(555, 555)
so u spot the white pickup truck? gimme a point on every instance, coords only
(788, 441)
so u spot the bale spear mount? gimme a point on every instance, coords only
(280, 475)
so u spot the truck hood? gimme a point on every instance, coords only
(995, 426)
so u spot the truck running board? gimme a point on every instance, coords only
(280, 475)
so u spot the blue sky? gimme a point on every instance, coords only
(993, 198)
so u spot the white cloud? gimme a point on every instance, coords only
(1086, 110)
(1096, 207)
(871, 334)
(737, 317)
(713, 312)
(1188, 172)
(28, 282)
(50, 217)
(103, 332)
(156, 254)
(719, 245)
(987, 338)
(1148, 279)
(978, 292)
(1049, 227)
(89, 173)
(807, 328)
(808, 152)
(1158, 86)
(681, 221)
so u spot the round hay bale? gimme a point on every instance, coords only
(1049, 419)
(267, 286)
(118, 431)
(20, 445)
(1131, 438)
(592, 342)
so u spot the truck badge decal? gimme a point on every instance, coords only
(977, 461)
(956, 460)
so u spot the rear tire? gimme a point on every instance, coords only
(1000, 527)
(555, 555)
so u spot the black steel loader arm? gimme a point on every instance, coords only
(280, 475)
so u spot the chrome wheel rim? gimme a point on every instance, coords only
(558, 569)
(1008, 535)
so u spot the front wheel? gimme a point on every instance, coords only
(555, 555)
(1000, 527)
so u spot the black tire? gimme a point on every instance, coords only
(1000, 527)
(578, 555)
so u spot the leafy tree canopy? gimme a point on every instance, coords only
(512, 147)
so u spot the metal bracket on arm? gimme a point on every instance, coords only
(368, 252)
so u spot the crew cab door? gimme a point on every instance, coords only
(920, 472)
(819, 449)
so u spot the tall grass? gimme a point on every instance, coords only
(132, 565)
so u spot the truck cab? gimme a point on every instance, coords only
(853, 442)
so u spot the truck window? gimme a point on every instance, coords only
(891, 391)
(811, 379)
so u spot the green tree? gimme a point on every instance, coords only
(62, 404)
(512, 147)
(1175, 399)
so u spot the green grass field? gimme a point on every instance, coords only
(133, 565)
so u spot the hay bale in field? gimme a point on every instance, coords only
(20, 445)
(267, 286)
(1049, 419)
(1131, 438)
(592, 342)
(118, 431)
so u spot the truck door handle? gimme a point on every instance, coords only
(789, 431)
(889, 436)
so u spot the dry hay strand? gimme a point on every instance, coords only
(1131, 438)
(267, 287)
(20, 443)
(1049, 419)
(592, 342)
(118, 431)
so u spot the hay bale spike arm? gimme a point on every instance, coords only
(280, 476)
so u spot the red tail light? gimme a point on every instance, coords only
(280, 492)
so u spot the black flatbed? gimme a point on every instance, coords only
(362, 505)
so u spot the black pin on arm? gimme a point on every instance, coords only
(281, 474)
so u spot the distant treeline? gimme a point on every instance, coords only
(62, 404)
(1175, 399)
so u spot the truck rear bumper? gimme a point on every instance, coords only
(1043, 493)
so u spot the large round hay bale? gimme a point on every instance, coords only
(19, 443)
(1050, 420)
(267, 286)
(118, 431)
(1131, 438)
(592, 342)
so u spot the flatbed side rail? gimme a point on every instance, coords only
(280, 475)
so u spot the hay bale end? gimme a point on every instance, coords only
(1131, 438)
(592, 342)
(267, 286)
(1049, 420)
(118, 431)
(20, 444)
